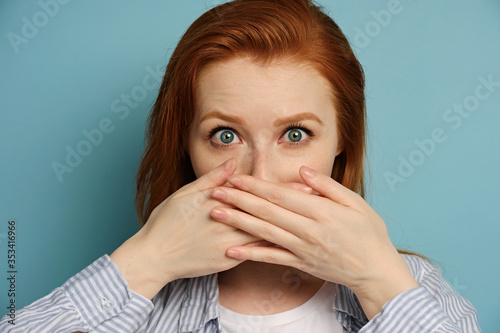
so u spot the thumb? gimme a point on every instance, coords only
(215, 177)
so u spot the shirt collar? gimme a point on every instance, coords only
(349, 310)
(200, 305)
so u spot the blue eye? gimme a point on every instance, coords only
(223, 136)
(297, 135)
(226, 136)
(294, 135)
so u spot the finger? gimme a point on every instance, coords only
(246, 239)
(215, 177)
(330, 188)
(260, 242)
(299, 186)
(288, 198)
(266, 211)
(270, 255)
(255, 226)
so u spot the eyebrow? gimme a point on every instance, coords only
(296, 118)
(279, 122)
(223, 116)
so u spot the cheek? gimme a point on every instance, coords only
(321, 160)
(199, 168)
(202, 165)
(203, 160)
(199, 162)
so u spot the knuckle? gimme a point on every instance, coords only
(269, 259)
(266, 232)
(265, 213)
(276, 196)
(356, 195)
(355, 200)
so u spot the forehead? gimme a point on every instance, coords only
(243, 85)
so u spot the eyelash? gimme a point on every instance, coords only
(298, 126)
(302, 127)
(215, 130)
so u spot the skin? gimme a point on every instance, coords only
(264, 210)
(264, 102)
(259, 97)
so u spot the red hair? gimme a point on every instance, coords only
(264, 31)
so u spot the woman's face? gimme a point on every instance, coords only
(273, 120)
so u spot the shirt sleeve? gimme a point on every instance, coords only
(98, 299)
(432, 307)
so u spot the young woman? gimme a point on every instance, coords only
(251, 189)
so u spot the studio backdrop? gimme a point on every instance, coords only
(78, 79)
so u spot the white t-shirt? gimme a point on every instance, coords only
(315, 315)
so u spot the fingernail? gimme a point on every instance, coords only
(219, 194)
(219, 214)
(236, 181)
(308, 172)
(233, 254)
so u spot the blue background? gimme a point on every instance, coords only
(66, 76)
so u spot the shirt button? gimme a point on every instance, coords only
(106, 304)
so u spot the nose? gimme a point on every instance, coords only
(259, 164)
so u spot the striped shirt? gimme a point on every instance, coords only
(98, 299)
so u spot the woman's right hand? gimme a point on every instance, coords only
(180, 239)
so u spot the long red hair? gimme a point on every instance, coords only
(264, 31)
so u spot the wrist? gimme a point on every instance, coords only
(137, 267)
(380, 288)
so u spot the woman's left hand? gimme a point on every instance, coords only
(334, 235)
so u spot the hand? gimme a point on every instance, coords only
(335, 235)
(180, 239)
